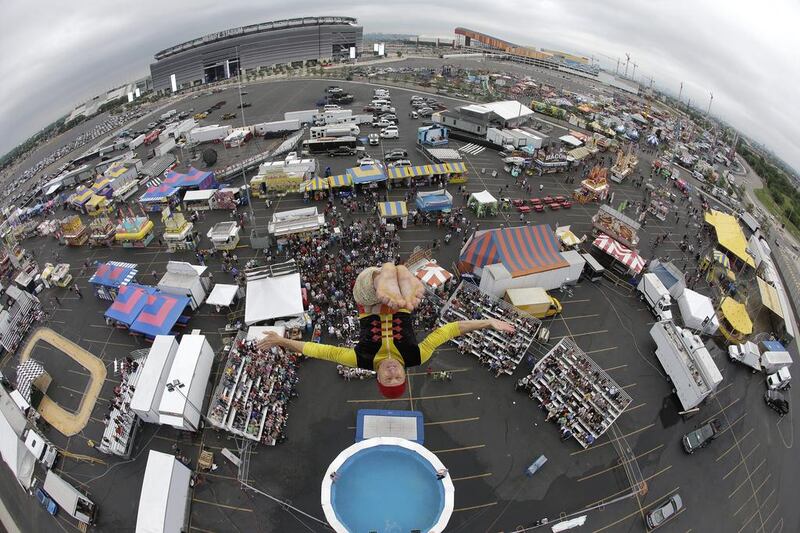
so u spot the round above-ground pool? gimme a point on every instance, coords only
(387, 485)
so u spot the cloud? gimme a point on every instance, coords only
(63, 53)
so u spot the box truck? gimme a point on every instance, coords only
(656, 295)
(534, 300)
(335, 131)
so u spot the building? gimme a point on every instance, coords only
(222, 54)
(478, 118)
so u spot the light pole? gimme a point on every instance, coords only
(176, 386)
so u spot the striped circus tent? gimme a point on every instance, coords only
(522, 250)
(433, 275)
(340, 180)
(620, 252)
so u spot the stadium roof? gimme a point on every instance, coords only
(251, 29)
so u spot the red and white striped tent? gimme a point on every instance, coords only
(620, 252)
(433, 275)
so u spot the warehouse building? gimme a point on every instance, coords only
(222, 54)
(478, 118)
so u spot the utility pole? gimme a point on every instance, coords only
(634, 71)
(680, 92)
(708, 111)
(628, 60)
(617, 70)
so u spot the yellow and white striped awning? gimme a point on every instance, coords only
(392, 209)
(318, 184)
(341, 180)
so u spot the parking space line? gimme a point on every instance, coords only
(614, 368)
(456, 421)
(232, 507)
(715, 415)
(476, 476)
(654, 502)
(629, 386)
(574, 301)
(748, 521)
(747, 479)
(628, 410)
(456, 395)
(754, 495)
(733, 446)
(744, 459)
(626, 489)
(722, 389)
(606, 443)
(581, 334)
(461, 449)
(770, 515)
(601, 350)
(425, 373)
(579, 316)
(481, 506)
(610, 468)
(741, 417)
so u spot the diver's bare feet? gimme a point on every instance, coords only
(410, 287)
(387, 288)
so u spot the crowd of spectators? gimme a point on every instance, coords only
(349, 373)
(500, 352)
(576, 394)
(120, 421)
(254, 392)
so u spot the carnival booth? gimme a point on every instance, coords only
(109, 277)
(224, 235)
(101, 232)
(305, 220)
(160, 313)
(184, 279)
(393, 211)
(483, 204)
(431, 201)
(74, 232)
(367, 175)
(568, 240)
(165, 495)
(193, 180)
(79, 198)
(179, 233)
(343, 182)
(318, 187)
(97, 205)
(153, 373)
(134, 232)
(594, 188)
(618, 257)
(158, 197)
(186, 384)
(57, 275)
(432, 275)
(734, 321)
(130, 301)
(224, 296)
(198, 200)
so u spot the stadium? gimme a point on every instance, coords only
(222, 54)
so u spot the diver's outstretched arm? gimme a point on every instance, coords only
(451, 330)
(326, 352)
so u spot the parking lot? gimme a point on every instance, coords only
(484, 431)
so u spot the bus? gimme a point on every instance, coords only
(325, 144)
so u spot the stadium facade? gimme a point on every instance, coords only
(222, 54)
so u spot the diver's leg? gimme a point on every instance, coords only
(387, 287)
(410, 287)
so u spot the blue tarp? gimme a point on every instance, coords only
(773, 346)
(194, 179)
(129, 303)
(436, 202)
(159, 314)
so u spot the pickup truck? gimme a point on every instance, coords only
(700, 437)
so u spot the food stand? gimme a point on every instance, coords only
(393, 210)
(134, 232)
(624, 165)
(224, 235)
(734, 321)
(109, 277)
(74, 232)
(483, 203)
(594, 188)
(303, 221)
(57, 275)
(319, 187)
(198, 200)
(179, 233)
(101, 232)
(97, 205)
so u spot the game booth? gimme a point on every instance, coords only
(318, 187)
(432, 201)
(198, 200)
(158, 197)
(194, 180)
(129, 302)
(594, 188)
(134, 232)
(164, 497)
(102, 232)
(179, 234)
(483, 204)
(393, 211)
(73, 231)
(343, 182)
(161, 313)
(618, 257)
(367, 175)
(224, 235)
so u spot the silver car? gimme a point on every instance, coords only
(665, 512)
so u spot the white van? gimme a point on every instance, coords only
(656, 295)
(330, 107)
(381, 102)
(390, 132)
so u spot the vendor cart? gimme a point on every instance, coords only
(101, 232)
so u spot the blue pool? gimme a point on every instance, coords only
(388, 489)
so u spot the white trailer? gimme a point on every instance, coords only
(747, 354)
(305, 117)
(329, 117)
(165, 495)
(655, 295)
(137, 142)
(153, 378)
(213, 133)
(687, 363)
(165, 147)
(499, 137)
(771, 362)
(187, 381)
(169, 114)
(496, 279)
(279, 126)
(71, 500)
(335, 131)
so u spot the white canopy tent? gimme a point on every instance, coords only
(698, 312)
(153, 378)
(181, 406)
(484, 197)
(223, 295)
(164, 496)
(273, 297)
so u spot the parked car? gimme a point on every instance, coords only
(382, 123)
(777, 402)
(342, 150)
(46, 501)
(390, 132)
(400, 163)
(702, 436)
(665, 511)
(395, 154)
(228, 116)
(374, 139)
(152, 125)
(243, 105)
(425, 112)
(389, 116)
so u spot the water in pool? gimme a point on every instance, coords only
(387, 489)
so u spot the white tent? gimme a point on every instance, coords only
(153, 378)
(273, 297)
(184, 279)
(180, 407)
(164, 496)
(223, 295)
(13, 450)
(484, 197)
(698, 312)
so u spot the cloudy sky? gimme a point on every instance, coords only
(57, 54)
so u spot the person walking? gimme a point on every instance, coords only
(541, 187)
(77, 291)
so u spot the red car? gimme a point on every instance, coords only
(517, 202)
(555, 206)
(566, 204)
(536, 201)
(523, 209)
(548, 199)
(560, 199)
(538, 208)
